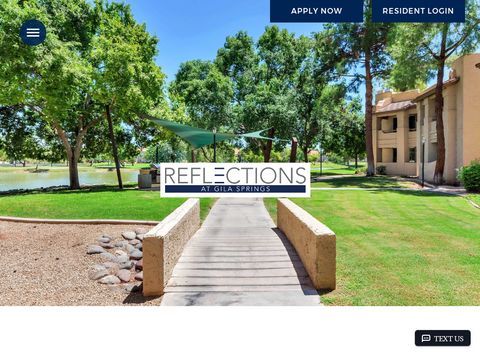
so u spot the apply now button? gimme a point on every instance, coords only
(418, 11)
(316, 11)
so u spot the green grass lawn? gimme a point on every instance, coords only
(103, 203)
(400, 247)
(126, 165)
(362, 181)
(330, 169)
(475, 198)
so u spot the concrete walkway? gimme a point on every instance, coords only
(238, 257)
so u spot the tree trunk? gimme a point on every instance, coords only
(268, 147)
(305, 154)
(356, 161)
(72, 155)
(114, 146)
(205, 155)
(440, 165)
(73, 171)
(369, 114)
(293, 150)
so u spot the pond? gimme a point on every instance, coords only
(20, 178)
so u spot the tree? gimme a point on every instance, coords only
(347, 130)
(207, 95)
(360, 45)
(430, 47)
(206, 92)
(128, 82)
(64, 80)
(263, 75)
(315, 98)
(19, 134)
(168, 151)
(238, 60)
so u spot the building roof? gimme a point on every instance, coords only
(396, 106)
(431, 90)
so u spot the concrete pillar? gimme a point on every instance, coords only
(402, 139)
(418, 132)
(450, 125)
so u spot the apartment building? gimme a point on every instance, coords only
(405, 122)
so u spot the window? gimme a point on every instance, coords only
(412, 122)
(394, 155)
(394, 124)
(412, 155)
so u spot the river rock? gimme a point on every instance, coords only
(108, 257)
(136, 255)
(97, 272)
(140, 231)
(139, 265)
(112, 267)
(122, 258)
(139, 247)
(124, 275)
(103, 239)
(106, 245)
(132, 288)
(120, 244)
(95, 249)
(140, 236)
(126, 265)
(129, 248)
(139, 276)
(134, 242)
(129, 235)
(110, 280)
(120, 252)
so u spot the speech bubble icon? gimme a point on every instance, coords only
(426, 338)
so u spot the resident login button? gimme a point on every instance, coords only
(418, 11)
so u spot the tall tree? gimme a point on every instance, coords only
(430, 46)
(360, 47)
(60, 79)
(128, 82)
(19, 134)
(346, 130)
(238, 60)
(315, 97)
(206, 93)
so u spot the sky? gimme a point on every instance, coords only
(192, 29)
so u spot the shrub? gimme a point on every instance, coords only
(382, 170)
(470, 176)
(361, 170)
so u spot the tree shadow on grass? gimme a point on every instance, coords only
(414, 192)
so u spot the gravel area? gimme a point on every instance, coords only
(46, 264)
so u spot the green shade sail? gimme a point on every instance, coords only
(199, 137)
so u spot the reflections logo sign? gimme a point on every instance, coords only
(235, 180)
